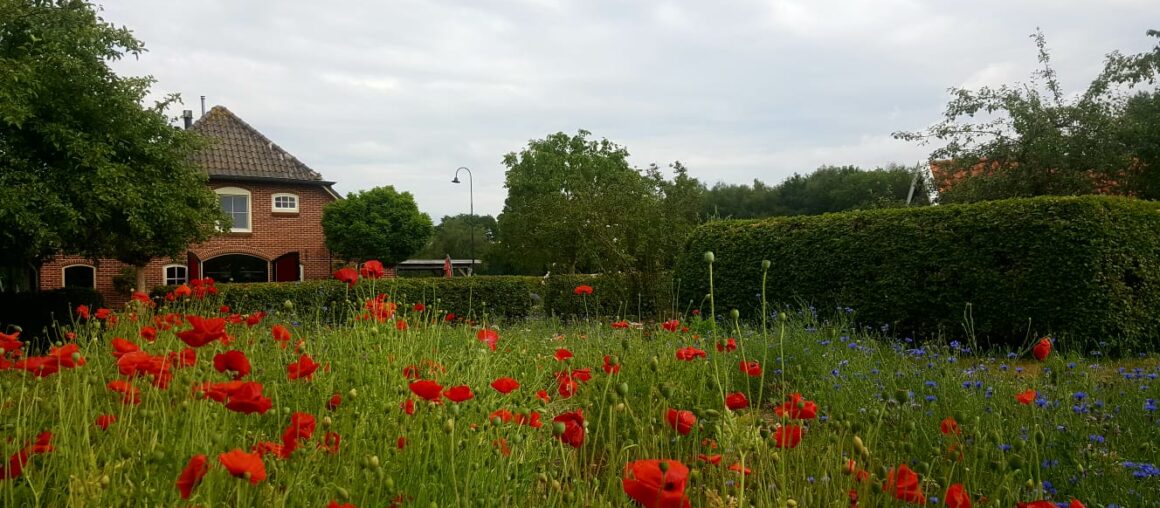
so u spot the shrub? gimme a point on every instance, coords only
(616, 295)
(37, 314)
(1082, 268)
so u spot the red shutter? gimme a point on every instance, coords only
(286, 267)
(193, 266)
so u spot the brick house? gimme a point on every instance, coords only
(275, 202)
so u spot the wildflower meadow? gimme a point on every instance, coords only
(187, 402)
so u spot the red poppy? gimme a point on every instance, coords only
(68, 356)
(16, 462)
(426, 389)
(1041, 349)
(729, 345)
(129, 394)
(103, 313)
(186, 358)
(302, 369)
(372, 269)
(281, 335)
(241, 464)
(957, 497)
(1026, 397)
(573, 432)
(334, 402)
(248, 399)
(182, 291)
(752, 368)
(1036, 504)
(689, 353)
(148, 333)
(682, 421)
(543, 395)
(903, 484)
(103, 421)
(191, 476)
(459, 393)
(301, 428)
(418, 307)
(408, 406)
(671, 325)
(567, 387)
(949, 426)
(334, 504)
(83, 311)
(610, 367)
(736, 400)
(401, 325)
(563, 354)
(39, 366)
(264, 448)
(501, 444)
(487, 335)
(505, 385)
(652, 486)
(122, 346)
(583, 289)
(736, 466)
(582, 375)
(255, 318)
(347, 275)
(787, 436)
(234, 361)
(620, 325)
(203, 332)
(709, 459)
(796, 407)
(330, 442)
(10, 342)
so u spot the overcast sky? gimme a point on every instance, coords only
(402, 92)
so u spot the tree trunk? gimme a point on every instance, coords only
(139, 285)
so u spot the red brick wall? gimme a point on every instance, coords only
(272, 235)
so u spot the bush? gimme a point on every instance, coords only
(1085, 269)
(38, 314)
(616, 295)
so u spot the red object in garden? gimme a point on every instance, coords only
(1026, 397)
(1041, 349)
(682, 421)
(651, 486)
(736, 400)
(573, 434)
(788, 436)
(957, 497)
(797, 407)
(903, 484)
(505, 385)
(447, 266)
(192, 474)
(244, 465)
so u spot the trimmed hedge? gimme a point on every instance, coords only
(614, 295)
(1086, 269)
(332, 301)
(37, 314)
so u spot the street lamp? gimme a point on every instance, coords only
(471, 211)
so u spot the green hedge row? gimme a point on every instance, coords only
(1083, 269)
(37, 314)
(614, 295)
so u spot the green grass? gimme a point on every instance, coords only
(891, 395)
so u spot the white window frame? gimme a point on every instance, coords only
(274, 203)
(238, 191)
(165, 275)
(64, 269)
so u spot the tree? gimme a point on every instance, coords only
(376, 224)
(452, 236)
(84, 167)
(1029, 140)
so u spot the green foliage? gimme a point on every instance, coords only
(453, 236)
(376, 224)
(829, 189)
(614, 295)
(1045, 143)
(1083, 269)
(86, 168)
(40, 314)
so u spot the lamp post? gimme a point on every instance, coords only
(471, 211)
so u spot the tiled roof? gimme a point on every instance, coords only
(238, 150)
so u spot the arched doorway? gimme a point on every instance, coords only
(236, 268)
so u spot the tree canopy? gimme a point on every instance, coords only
(379, 223)
(85, 168)
(1034, 139)
(828, 189)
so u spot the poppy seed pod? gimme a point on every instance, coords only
(734, 313)
(709, 257)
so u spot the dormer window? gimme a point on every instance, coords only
(236, 204)
(285, 203)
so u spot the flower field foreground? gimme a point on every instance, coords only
(194, 404)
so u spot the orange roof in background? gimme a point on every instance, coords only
(946, 175)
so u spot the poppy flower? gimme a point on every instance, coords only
(234, 361)
(671, 325)
(334, 402)
(610, 367)
(68, 356)
(736, 400)
(620, 325)
(16, 462)
(401, 325)
(1036, 504)
(903, 485)
(302, 369)
(129, 394)
(203, 332)
(148, 333)
(10, 342)
(1026, 397)
(334, 504)
(543, 395)
(949, 426)
(505, 385)
(501, 444)
(426, 389)
(183, 291)
(103, 421)
(122, 346)
(682, 421)
(301, 428)
(689, 353)
(281, 335)
(582, 375)
(248, 399)
(562, 354)
(652, 486)
(957, 497)
(487, 335)
(252, 320)
(418, 307)
(736, 466)
(264, 448)
(191, 476)
(39, 366)
(347, 275)
(372, 269)
(459, 393)
(83, 312)
(787, 436)
(583, 289)
(186, 358)
(567, 387)
(751, 368)
(729, 345)
(1041, 349)
(709, 459)
(103, 313)
(797, 408)
(242, 464)
(330, 442)
(573, 431)
(408, 406)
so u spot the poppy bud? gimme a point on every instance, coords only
(1016, 462)
(449, 425)
(734, 313)
(666, 391)
(783, 316)
(389, 483)
(694, 474)
(858, 443)
(327, 422)
(709, 258)
(454, 409)
(776, 457)
(353, 393)
(712, 413)
(104, 481)
(654, 363)
(619, 406)
(622, 388)
(765, 264)
(289, 305)
(558, 428)
(342, 493)
(911, 426)
(555, 484)
(374, 461)
(664, 465)
(790, 503)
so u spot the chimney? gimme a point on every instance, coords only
(187, 115)
(203, 105)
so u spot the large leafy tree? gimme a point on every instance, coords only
(828, 189)
(85, 168)
(1035, 139)
(379, 223)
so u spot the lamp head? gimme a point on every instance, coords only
(455, 180)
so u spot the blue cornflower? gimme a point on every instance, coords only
(1096, 438)
(1150, 405)
(931, 398)
(1079, 395)
(1048, 487)
(990, 391)
(1040, 401)
(967, 384)
(930, 384)
(1004, 447)
(1012, 355)
(1071, 365)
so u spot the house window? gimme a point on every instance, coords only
(285, 202)
(236, 203)
(80, 276)
(176, 274)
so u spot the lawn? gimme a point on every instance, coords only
(406, 407)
